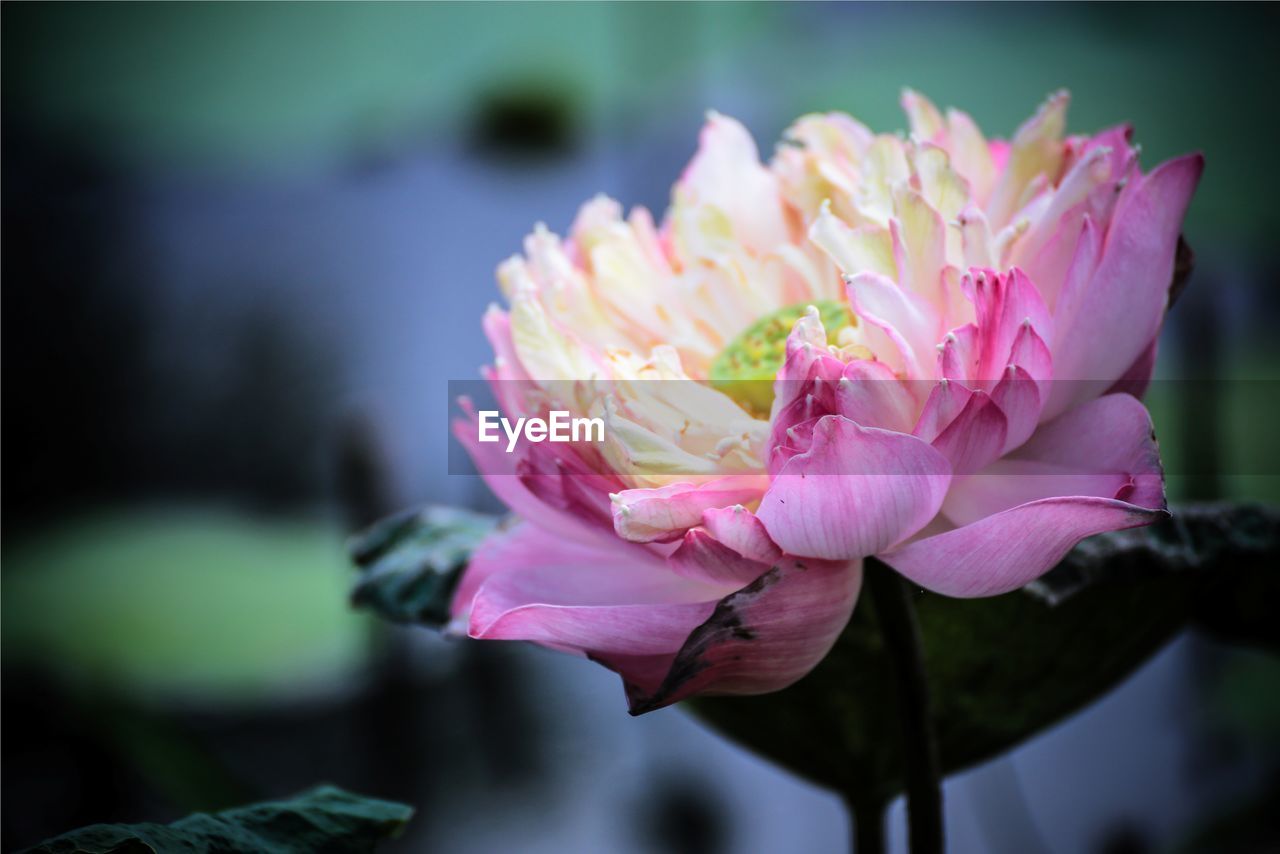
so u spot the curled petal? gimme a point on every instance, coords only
(1105, 448)
(741, 530)
(704, 558)
(762, 638)
(664, 513)
(535, 586)
(855, 492)
(870, 394)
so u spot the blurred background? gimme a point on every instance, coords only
(247, 246)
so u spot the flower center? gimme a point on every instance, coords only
(745, 369)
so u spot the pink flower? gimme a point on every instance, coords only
(922, 349)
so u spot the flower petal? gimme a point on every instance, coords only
(726, 173)
(870, 394)
(1036, 150)
(500, 472)
(762, 638)
(1094, 469)
(854, 492)
(1120, 310)
(975, 437)
(704, 558)
(1013, 548)
(741, 530)
(909, 321)
(663, 514)
(573, 597)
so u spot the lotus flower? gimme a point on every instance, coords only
(925, 349)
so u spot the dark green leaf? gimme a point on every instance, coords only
(325, 819)
(999, 669)
(1003, 668)
(412, 562)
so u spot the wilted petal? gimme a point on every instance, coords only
(759, 639)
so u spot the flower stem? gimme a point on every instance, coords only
(897, 618)
(867, 815)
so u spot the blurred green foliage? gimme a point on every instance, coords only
(323, 819)
(287, 83)
(204, 606)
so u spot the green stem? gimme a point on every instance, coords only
(897, 617)
(867, 817)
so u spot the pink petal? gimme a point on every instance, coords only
(1094, 469)
(702, 557)
(975, 437)
(1020, 399)
(1012, 548)
(1135, 380)
(585, 599)
(1103, 449)
(909, 322)
(958, 354)
(741, 530)
(499, 470)
(663, 514)
(856, 491)
(1120, 311)
(946, 401)
(870, 394)
(760, 639)
(807, 359)
(571, 478)
(1006, 305)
